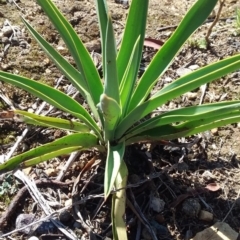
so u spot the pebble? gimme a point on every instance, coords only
(33, 238)
(183, 71)
(68, 202)
(51, 172)
(23, 220)
(219, 231)
(157, 204)
(191, 207)
(205, 216)
(193, 67)
(7, 31)
(65, 216)
(5, 40)
(214, 131)
(191, 95)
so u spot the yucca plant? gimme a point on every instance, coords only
(122, 99)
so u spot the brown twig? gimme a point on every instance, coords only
(215, 21)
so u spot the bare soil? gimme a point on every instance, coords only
(158, 174)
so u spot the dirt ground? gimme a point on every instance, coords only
(177, 178)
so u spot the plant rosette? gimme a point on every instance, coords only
(119, 100)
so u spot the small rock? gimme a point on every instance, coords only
(191, 207)
(193, 67)
(33, 238)
(51, 172)
(23, 220)
(30, 110)
(191, 95)
(7, 31)
(5, 40)
(181, 167)
(157, 204)
(183, 71)
(27, 170)
(167, 80)
(94, 45)
(214, 131)
(205, 216)
(208, 175)
(68, 202)
(64, 216)
(219, 231)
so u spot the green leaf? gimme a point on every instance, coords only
(168, 132)
(111, 112)
(111, 86)
(102, 12)
(77, 49)
(191, 21)
(114, 161)
(74, 76)
(130, 77)
(186, 114)
(52, 96)
(119, 204)
(64, 145)
(31, 118)
(180, 86)
(135, 27)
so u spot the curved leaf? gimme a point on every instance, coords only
(52, 96)
(191, 21)
(64, 145)
(111, 85)
(77, 49)
(185, 115)
(180, 86)
(31, 118)
(169, 132)
(74, 76)
(135, 27)
(102, 13)
(130, 77)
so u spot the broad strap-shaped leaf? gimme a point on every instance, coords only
(168, 132)
(192, 20)
(185, 115)
(52, 96)
(103, 15)
(111, 85)
(129, 78)
(135, 27)
(119, 204)
(180, 86)
(80, 54)
(31, 118)
(111, 113)
(113, 163)
(64, 145)
(74, 76)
